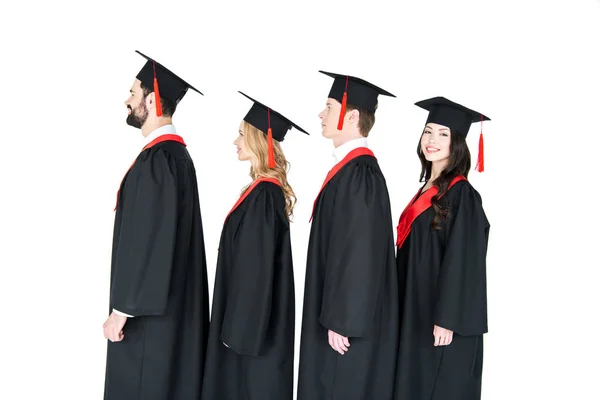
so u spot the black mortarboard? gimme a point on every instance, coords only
(456, 117)
(172, 87)
(351, 90)
(453, 115)
(271, 122)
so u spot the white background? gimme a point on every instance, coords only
(531, 66)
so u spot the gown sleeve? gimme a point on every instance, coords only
(144, 259)
(359, 248)
(462, 300)
(248, 305)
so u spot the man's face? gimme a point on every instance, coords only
(137, 112)
(329, 118)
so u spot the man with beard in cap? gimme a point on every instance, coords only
(158, 323)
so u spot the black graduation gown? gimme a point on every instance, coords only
(351, 289)
(442, 281)
(253, 303)
(158, 275)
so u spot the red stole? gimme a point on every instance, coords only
(247, 192)
(160, 139)
(415, 208)
(359, 151)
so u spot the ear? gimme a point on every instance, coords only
(354, 116)
(150, 101)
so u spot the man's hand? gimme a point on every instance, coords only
(442, 337)
(338, 342)
(113, 327)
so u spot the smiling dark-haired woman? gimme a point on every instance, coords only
(441, 260)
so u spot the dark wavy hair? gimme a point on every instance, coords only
(459, 163)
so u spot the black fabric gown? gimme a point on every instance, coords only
(250, 352)
(442, 281)
(351, 289)
(158, 276)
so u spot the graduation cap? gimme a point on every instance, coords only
(358, 92)
(172, 87)
(456, 117)
(268, 120)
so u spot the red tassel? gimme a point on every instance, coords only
(272, 163)
(343, 111)
(157, 95)
(479, 166)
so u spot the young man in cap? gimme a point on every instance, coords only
(158, 325)
(350, 318)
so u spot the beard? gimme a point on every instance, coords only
(138, 116)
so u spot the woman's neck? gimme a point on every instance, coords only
(257, 176)
(436, 169)
(254, 164)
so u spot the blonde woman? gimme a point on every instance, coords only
(251, 340)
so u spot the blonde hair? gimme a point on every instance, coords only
(256, 140)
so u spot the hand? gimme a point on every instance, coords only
(338, 342)
(442, 337)
(113, 327)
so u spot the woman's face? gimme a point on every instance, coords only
(243, 151)
(435, 142)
